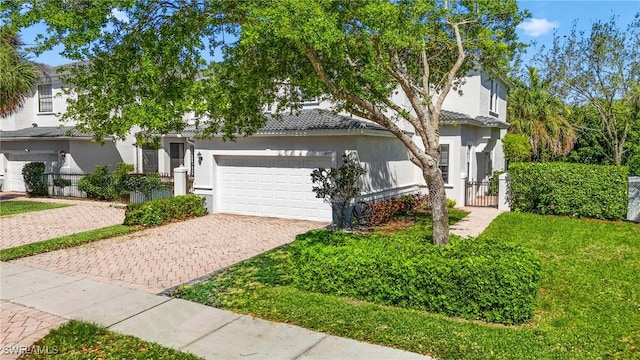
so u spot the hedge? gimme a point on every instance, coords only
(579, 190)
(158, 212)
(471, 279)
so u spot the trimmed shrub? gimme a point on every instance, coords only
(386, 210)
(578, 190)
(158, 212)
(472, 279)
(61, 182)
(98, 185)
(517, 148)
(34, 181)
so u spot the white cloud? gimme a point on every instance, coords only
(537, 27)
(120, 15)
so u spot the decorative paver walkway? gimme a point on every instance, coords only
(159, 258)
(26, 228)
(21, 327)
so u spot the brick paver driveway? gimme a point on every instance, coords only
(156, 259)
(36, 226)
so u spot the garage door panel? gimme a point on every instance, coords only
(266, 186)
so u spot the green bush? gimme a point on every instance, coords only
(517, 148)
(386, 210)
(579, 190)
(98, 185)
(158, 212)
(472, 279)
(61, 182)
(34, 180)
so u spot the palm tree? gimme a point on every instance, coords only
(18, 75)
(534, 112)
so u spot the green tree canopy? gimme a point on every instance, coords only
(143, 68)
(533, 111)
(599, 69)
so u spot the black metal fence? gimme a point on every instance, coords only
(481, 194)
(66, 185)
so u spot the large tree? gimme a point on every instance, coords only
(355, 53)
(599, 69)
(533, 111)
(18, 75)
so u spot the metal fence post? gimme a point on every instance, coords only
(633, 211)
(503, 192)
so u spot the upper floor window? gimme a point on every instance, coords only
(45, 98)
(493, 100)
(444, 162)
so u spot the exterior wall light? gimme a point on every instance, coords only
(199, 158)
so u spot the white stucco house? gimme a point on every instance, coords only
(35, 133)
(268, 174)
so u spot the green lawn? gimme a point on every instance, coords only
(64, 242)
(588, 304)
(80, 340)
(18, 207)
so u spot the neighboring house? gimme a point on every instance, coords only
(268, 174)
(35, 133)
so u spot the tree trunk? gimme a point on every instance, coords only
(438, 201)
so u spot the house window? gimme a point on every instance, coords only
(45, 98)
(444, 162)
(493, 101)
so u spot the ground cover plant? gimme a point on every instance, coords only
(587, 306)
(18, 207)
(64, 242)
(81, 340)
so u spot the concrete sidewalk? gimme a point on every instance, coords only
(476, 222)
(202, 330)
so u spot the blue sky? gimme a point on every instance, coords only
(547, 15)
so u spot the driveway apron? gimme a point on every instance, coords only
(160, 258)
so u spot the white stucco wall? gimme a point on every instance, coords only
(29, 114)
(389, 172)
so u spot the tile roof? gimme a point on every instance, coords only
(44, 132)
(315, 119)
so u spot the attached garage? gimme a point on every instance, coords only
(15, 162)
(275, 186)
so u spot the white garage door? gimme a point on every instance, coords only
(270, 186)
(15, 181)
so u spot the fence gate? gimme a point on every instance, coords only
(481, 194)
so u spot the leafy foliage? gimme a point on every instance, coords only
(338, 186)
(570, 189)
(386, 210)
(472, 279)
(18, 76)
(60, 182)
(98, 185)
(158, 212)
(103, 185)
(517, 148)
(534, 112)
(599, 69)
(34, 180)
(143, 71)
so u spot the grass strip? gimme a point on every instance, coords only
(19, 207)
(81, 340)
(64, 242)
